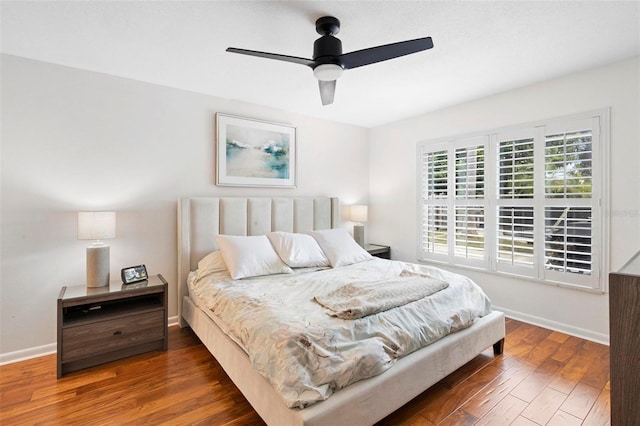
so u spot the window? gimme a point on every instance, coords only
(453, 210)
(524, 201)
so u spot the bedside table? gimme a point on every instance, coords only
(383, 252)
(98, 325)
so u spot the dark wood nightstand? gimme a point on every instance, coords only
(98, 325)
(383, 252)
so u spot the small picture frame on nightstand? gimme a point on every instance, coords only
(134, 274)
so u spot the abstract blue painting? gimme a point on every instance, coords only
(255, 153)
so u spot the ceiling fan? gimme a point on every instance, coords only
(328, 60)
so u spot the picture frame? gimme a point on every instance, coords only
(134, 274)
(255, 153)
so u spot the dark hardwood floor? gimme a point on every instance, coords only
(543, 378)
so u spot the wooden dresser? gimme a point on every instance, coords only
(624, 332)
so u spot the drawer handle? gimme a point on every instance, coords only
(115, 333)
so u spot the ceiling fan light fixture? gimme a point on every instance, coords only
(327, 72)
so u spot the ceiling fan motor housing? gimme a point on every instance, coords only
(326, 50)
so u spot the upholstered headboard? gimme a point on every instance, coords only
(201, 219)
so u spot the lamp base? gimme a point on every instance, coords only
(358, 234)
(98, 274)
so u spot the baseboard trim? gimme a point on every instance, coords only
(29, 353)
(51, 348)
(173, 320)
(556, 326)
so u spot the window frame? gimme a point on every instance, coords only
(598, 122)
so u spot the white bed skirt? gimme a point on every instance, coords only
(362, 403)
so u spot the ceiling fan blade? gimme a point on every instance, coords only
(327, 90)
(294, 59)
(384, 52)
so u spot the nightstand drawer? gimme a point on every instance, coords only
(105, 336)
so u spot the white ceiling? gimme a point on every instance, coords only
(480, 47)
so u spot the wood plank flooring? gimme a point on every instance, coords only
(543, 378)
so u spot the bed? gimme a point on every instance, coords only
(364, 402)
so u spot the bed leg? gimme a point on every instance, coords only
(498, 347)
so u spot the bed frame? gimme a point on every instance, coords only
(362, 403)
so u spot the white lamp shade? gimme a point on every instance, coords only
(96, 225)
(358, 213)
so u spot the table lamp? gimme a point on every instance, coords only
(97, 226)
(358, 215)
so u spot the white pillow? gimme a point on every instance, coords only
(340, 247)
(213, 262)
(298, 250)
(250, 256)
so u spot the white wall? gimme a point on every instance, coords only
(74, 140)
(392, 196)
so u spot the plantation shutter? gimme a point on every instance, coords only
(515, 204)
(469, 228)
(435, 190)
(571, 202)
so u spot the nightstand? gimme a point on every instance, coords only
(98, 325)
(383, 252)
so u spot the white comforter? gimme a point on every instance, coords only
(304, 352)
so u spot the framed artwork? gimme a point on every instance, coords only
(255, 153)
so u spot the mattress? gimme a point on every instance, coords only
(304, 352)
